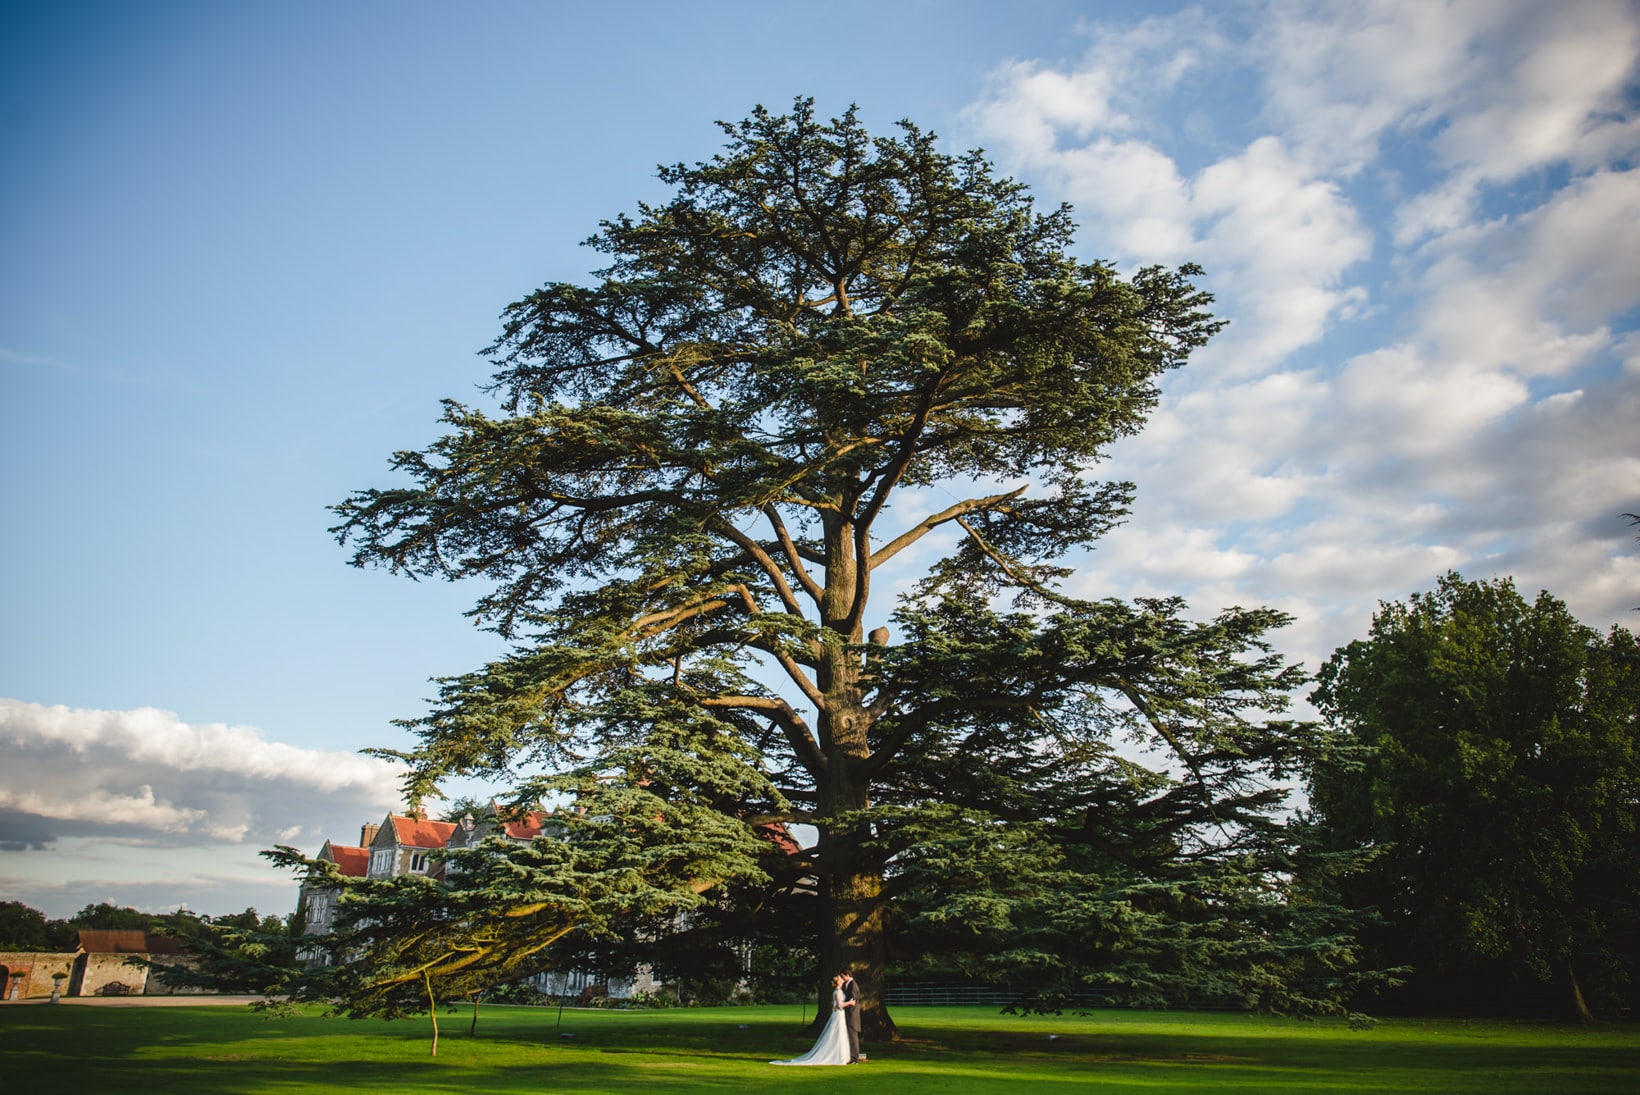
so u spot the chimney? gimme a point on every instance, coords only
(367, 833)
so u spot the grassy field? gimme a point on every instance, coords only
(173, 1051)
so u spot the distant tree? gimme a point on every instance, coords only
(462, 805)
(1498, 781)
(23, 928)
(827, 356)
(236, 952)
(111, 917)
(251, 920)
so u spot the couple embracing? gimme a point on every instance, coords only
(839, 1041)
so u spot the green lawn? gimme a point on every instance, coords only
(161, 1051)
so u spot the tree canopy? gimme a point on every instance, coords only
(767, 488)
(1497, 779)
(23, 928)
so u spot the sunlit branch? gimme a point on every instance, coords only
(766, 563)
(933, 521)
(795, 554)
(797, 731)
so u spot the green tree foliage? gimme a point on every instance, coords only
(111, 917)
(496, 913)
(1497, 777)
(243, 952)
(23, 928)
(828, 363)
(461, 806)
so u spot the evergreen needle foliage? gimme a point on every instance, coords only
(832, 363)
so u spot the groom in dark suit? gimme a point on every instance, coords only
(851, 1016)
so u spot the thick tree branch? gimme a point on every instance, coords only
(765, 562)
(795, 554)
(797, 732)
(934, 521)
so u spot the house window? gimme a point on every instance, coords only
(418, 861)
(381, 863)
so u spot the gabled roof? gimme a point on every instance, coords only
(525, 826)
(412, 832)
(124, 941)
(777, 834)
(349, 860)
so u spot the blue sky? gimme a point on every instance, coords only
(245, 249)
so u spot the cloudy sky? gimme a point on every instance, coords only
(245, 249)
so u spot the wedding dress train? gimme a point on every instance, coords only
(831, 1048)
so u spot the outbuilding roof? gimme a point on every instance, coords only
(124, 941)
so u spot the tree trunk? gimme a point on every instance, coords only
(853, 927)
(432, 1011)
(858, 942)
(1579, 1006)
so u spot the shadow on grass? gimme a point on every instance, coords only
(187, 1050)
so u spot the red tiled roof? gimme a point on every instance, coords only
(125, 941)
(525, 826)
(778, 835)
(350, 861)
(414, 832)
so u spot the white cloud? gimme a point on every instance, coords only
(1135, 194)
(1440, 215)
(146, 775)
(112, 809)
(1499, 87)
(1274, 235)
(1033, 104)
(1340, 77)
(1283, 240)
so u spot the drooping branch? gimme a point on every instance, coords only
(1018, 573)
(909, 724)
(1165, 732)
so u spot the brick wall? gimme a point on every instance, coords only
(36, 968)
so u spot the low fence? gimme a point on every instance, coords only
(934, 994)
(937, 993)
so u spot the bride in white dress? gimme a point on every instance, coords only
(831, 1048)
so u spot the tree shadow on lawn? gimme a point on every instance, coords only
(178, 1052)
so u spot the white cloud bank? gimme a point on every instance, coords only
(140, 807)
(1422, 223)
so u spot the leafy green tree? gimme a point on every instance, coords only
(828, 361)
(111, 917)
(23, 928)
(1498, 781)
(235, 952)
(461, 806)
